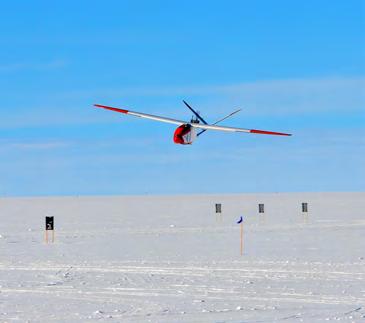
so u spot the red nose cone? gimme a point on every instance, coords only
(178, 140)
(179, 132)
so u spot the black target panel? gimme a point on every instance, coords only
(261, 208)
(49, 223)
(305, 207)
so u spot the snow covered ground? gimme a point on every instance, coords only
(172, 259)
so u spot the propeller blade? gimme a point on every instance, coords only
(196, 114)
(220, 120)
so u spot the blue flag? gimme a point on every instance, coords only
(240, 220)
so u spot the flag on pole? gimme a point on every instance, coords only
(240, 220)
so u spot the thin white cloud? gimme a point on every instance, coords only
(288, 96)
(292, 97)
(299, 96)
(17, 145)
(51, 116)
(33, 66)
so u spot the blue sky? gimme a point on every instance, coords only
(292, 66)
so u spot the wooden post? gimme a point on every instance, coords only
(49, 227)
(262, 217)
(218, 211)
(241, 238)
(305, 212)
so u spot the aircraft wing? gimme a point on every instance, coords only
(196, 125)
(142, 115)
(232, 129)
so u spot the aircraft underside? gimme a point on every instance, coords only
(184, 135)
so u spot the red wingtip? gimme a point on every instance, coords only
(262, 132)
(111, 108)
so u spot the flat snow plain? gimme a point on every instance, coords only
(171, 259)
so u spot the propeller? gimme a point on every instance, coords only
(195, 113)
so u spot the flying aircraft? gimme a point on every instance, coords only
(187, 132)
